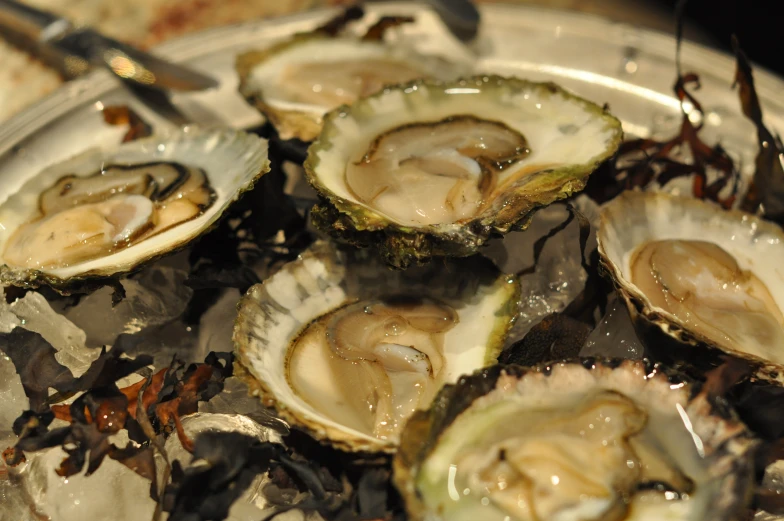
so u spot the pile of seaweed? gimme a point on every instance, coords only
(270, 227)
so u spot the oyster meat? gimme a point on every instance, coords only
(347, 350)
(296, 82)
(105, 212)
(574, 442)
(699, 274)
(433, 168)
(82, 218)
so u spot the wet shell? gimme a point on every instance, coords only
(230, 160)
(704, 443)
(274, 315)
(264, 85)
(635, 218)
(548, 142)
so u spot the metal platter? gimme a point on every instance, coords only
(631, 69)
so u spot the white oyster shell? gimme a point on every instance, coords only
(232, 161)
(635, 218)
(568, 138)
(683, 431)
(273, 314)
(262, 83)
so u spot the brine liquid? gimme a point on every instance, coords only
(369, 365)
(85, 218)
(704, 287)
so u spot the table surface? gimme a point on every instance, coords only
(24, 80)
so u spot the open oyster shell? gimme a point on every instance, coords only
(106, 212)
(294, 83)
(589, 441)
(345, 350)
(708, 278)
(436, 168)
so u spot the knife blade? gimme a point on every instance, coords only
(129, 63)
(83, 48)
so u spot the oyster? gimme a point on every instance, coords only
(296, 82)
(593, 441)
(433, 168)
(705, 277)
(105, 212)
(346, 350)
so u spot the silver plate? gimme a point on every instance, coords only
(629, 68)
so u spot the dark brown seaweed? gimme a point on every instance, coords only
(766, 193)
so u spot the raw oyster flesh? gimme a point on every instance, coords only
(574, 441)
(82, 218)
(105, 212)
(435, 168)
(296, 82)
(347, 350)
(700, 274)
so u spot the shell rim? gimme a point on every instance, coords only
(88, 280)
(639, 304)
(305, 125)
(440, 239)
(288, 123)
(310, 424)
(417, 434)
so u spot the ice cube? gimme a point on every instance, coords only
(773, 480)
(163, 343)
(14, 506)
(251, 503)
(558, 277)
(217, 323)
(12, 397)
(234, 399)
(614, 336)
(8, 321)
(35, 314)
(113, 492)
(155, 297)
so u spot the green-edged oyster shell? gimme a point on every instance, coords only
(723, 276)
(435, 168)
(589, 441)
(290, 363)
(295, 82)
(225, 162)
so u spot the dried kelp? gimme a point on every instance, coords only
(641, 162)
(97, 414)
(102, 409)
(766, 193)
(335, 485)
(561, 336)
(124, 115)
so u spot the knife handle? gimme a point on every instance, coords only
(31, 23)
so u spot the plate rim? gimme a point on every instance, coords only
(79, 91)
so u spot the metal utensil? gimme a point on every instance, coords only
(79, 49)
(460, 16)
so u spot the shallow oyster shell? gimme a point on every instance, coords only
(568, 136)
(728, 447)
(259, 73)
(274, 313)
(634, 218)
(233, 161)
